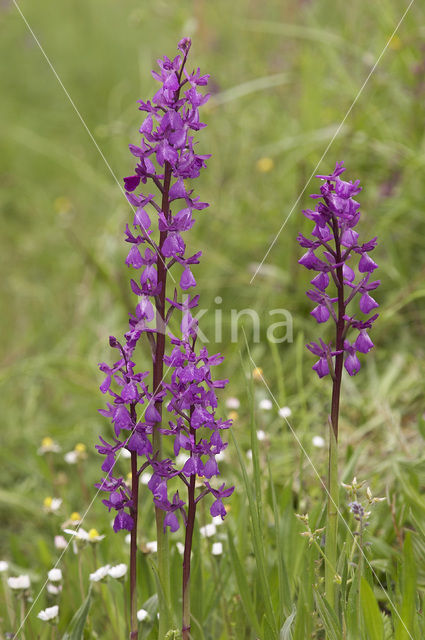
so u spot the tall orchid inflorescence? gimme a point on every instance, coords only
(166, 157)
(332, 252)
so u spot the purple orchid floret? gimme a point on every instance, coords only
(166, 157)
(333, 245)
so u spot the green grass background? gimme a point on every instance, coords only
(283, 75)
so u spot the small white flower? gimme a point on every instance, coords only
(249, 454)
(265, 404)
(48, 445)
(180, 548)
(261, 435)
(60, 542)
(55, 575)
(284, 412)
(127, 538)
(118, 571)
(82, 534)
(125, 454)
(4, 566)
(233, 403)
(20, 582)
(217, 520)
(142, 614)
(53, 589)
(217, 549)
(318, 442)
(152, 546)
(100, 574)
(145, 477)
(71, 457)
(208, 531)
(181, 459)
(52, 505)
(220, 456)
(49, 614)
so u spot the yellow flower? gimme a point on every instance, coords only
(233, 415)
(75, 516)
(80, 447)
(93, 534)
(48, 445)
(395, 43)
(257, 373)
(264, 165)
(51, 505)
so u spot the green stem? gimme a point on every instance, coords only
(332, 520)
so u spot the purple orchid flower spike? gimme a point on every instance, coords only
(335, 253)
(334, 244)
(166, 157)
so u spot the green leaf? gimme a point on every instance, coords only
(258, 542)
(329, 619)
(285, 632)
(243, 586)
(75, 629)
(406, 620)
(371, 613)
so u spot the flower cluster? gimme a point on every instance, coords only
(333, 246)
(166, 157)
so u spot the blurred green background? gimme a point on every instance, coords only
(283, 75)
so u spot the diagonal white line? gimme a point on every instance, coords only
(327, 492)
(371, 72)
(83, 122)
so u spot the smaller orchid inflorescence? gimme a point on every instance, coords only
(334, 236)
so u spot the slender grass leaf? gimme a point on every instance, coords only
(329, 619)
(75, 629)
(285, 632)
(371, 613)
(243, 586)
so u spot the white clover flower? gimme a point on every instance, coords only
(152, 546)
(217, 520)
(217, 549)
(53, 589)
(118, 571)
(100, 574)
(284, 412)
(318, 442)
(208, 531)
(48, 445)
(49, 614)
(55, 575)
(265, 404)
(233, 403)
(142, 614)
(20, 582)
(261, 435)
(4, 566)
(180, 547)
(51, 505)
(145, 477)
(60, 542)
(71, 457)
